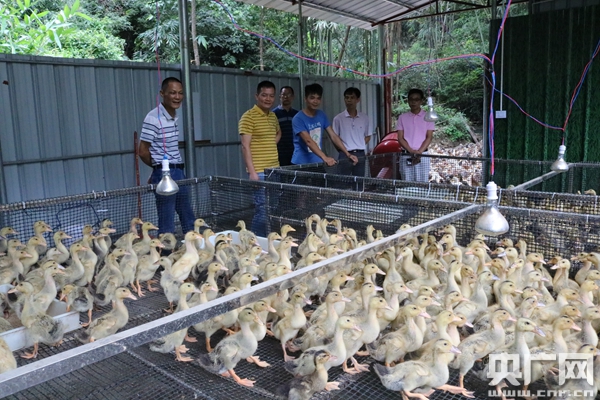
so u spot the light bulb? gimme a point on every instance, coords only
(492, 222)
(167, 186)
(560, 165)
(431, 115)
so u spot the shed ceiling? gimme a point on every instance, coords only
(366, 14)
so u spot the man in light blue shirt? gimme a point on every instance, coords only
(309, 126)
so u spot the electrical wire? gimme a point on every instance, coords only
(164, 136)
(489, 60)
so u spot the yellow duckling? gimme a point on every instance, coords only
(110, 322)
(7, 359)
(233, 349)
(174, 341)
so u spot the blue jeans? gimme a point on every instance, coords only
(259, 222)
(181, 202)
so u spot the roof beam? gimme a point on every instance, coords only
(320, 7)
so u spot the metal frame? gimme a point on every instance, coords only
(46, 369)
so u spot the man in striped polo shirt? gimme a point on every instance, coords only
(160, 136)
(260, 132)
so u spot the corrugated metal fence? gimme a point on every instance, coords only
(66, 126)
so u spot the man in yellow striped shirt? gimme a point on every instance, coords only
(260, 132)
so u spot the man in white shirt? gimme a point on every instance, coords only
(355, 129)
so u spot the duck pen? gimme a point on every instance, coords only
(121, 366)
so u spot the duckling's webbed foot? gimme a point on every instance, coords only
(456, 390)
(179, 357)
(292, 347)
(32, 354)
(270, 333)
(243, 382)
(149, 285)
(256, 360)
(190, 339)
(329, 386)
(406, 394)
(359, 367)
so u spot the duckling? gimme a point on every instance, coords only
(370, 331)
(15, 269)
(321, 331)
(561, 278)
(110, 322)
(395, 345)
(477, 304)
(75, 271)
(558, 346)
(304, 365)
(42, 328)
(386, 317)
(143, 246)
(410, 375)
(408, 268)
(80, 299)
(181, 268)
(39, 228)
(168, 282)
(287, 327)
(129, 262)
(147, 266)
(588, 333)
(41, 300)
(5, 325)
(174, 341)
(7, 359)
(302, 388)
(209, 327)
(234, 348)
(480, 344)
(59, 253)
(552, 311)
(122, 241)
(168, 240)
(4, 234)
(16, 297)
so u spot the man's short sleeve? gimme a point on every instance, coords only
(337, 125)
(298, 124)
(150, 129)
(399, 125)
(246, 124)
(430, 125)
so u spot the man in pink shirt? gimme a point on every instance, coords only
(414, 135)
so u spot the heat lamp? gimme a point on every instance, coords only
(167, 186)
(560, 165)
(431, 115)
(492, 222)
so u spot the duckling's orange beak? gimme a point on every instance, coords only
(455, 350)
(575, 327)
(132, 297)
(540, 332)
(271, 309)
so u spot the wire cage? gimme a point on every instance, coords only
(450, 170)
(122, 366)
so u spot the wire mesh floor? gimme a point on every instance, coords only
(142, 374)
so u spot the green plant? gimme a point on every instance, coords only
(25, 30)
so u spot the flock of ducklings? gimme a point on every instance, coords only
(432, 302)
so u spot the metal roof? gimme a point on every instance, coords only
(366, 14)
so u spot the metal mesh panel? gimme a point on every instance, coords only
(139, 373)
(445, 169)
(71, 213)
(524, 198)
(579, 178)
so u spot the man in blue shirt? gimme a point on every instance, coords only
(309, 126)
(285, 114)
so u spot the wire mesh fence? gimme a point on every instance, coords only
(136, 372)
(474, 172)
